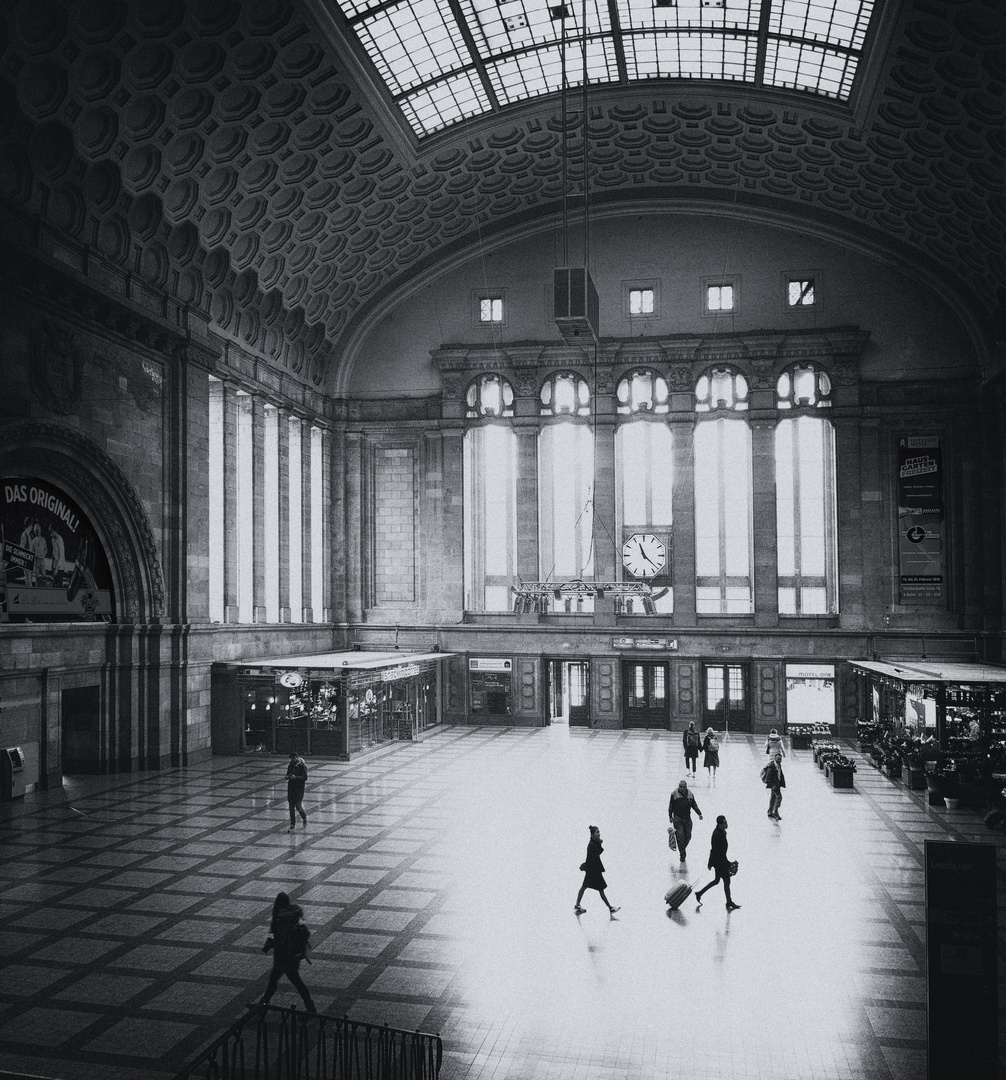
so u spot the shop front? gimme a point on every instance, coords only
(328, 705)
(942, 717)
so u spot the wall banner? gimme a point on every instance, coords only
(920, 519)
(52, 566)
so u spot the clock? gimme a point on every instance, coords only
(644, 555)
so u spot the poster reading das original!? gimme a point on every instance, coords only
(52, 566)
(920, 518)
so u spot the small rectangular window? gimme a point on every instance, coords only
(640, 301)
(719, 297)
(801, 292)
(491, 309)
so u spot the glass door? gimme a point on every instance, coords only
(726, 698)
(645, 701)
(568, 692)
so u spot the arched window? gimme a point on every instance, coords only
(806, 496)
(565, 394)
(490, 496)
(642, 391)
(721, 388)
(803, 386)
(723, 496)
(644, 481)
(489, 395)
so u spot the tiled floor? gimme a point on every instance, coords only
(439, 882)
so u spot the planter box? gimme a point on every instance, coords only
(893, 771)
(841, 778)
(915, 779)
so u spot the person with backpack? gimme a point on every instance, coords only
(679, 810)
(772, 777)
(296, 780)
(711, 754)
(690, 740)
(287, 940)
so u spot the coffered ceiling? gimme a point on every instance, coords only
(247, 160)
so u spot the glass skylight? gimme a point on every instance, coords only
(448, 60)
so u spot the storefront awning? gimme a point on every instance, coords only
(343, 661)
(937, 671)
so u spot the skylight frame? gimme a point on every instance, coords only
(448, 61)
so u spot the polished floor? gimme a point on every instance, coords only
(439, 881)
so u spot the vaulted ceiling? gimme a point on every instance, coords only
(245, 158)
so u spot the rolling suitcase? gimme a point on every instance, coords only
(677, 896)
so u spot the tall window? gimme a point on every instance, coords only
(317, 527)
(215, 500)
(806, 497)
(270, 512)
(644, 477)
(723, 497)
(245, 512)
(295, 466)
(490, 496)
(565, 488)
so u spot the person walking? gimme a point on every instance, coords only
(690, 740)
(719, 862)
(593, 872)
(775, 781)
(296, 780)
(287, 941)
(711, 754)
(679, 810)
(773, 745)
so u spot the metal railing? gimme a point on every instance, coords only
(274, 1043)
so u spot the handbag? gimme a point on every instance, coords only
(733, 867)
(672, 840)
(583, 866)
(269, 942)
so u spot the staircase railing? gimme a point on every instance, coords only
(274, 1043)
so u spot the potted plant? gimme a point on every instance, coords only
(916, 778)
(892, 764)
(841, 769)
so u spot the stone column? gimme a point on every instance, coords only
(849, 485)
(763, 523)
(353, 526)
(683, 532)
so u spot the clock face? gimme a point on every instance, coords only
(644, 555)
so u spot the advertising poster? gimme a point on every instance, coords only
(52, 567)
(920, 519)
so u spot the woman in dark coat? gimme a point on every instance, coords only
(719, 862)
(593, 872)
(288, 949)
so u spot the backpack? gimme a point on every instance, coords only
(714, 743)
(299, 938)
(766, 777)
(691, 738)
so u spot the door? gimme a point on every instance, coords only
(81, 719)
(645, 702)
(726, 697)
(568, 692)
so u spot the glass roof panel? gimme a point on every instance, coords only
(690, 56)
(501, 28)
(413, 42)
(444, 103)
(689, 15)
(832, 22)
(539, 71)
(441, 71)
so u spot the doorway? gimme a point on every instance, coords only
(645, 701)
(569, 692)
(80, 713)
(726, 697)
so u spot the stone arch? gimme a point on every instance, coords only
(73, 462)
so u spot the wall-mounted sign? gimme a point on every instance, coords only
(920, 518)
(490, 663)
(291, 679)
(52, 565)
(646, 644)
(403, 671)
